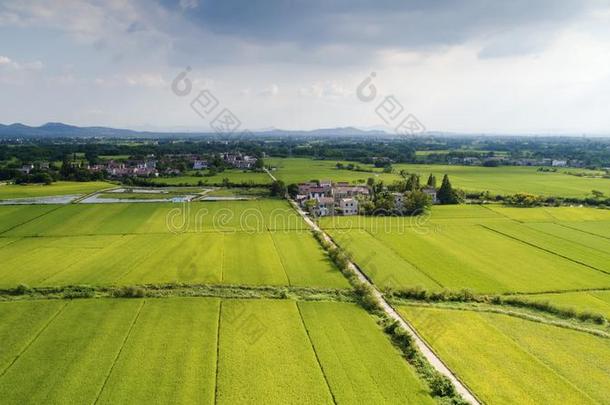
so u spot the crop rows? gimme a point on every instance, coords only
(511, 360)
(200, 350)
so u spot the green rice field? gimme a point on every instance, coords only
(497, 180)
(12, 191)
(487, 250)
(505, 359)
(235, 176)
(203, 350)
(260, 242)
(584, 301)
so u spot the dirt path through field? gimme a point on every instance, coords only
(426, 350)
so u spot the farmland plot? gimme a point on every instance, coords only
(497, 180)
(511, 360)
(14, 215)
(265, 356)
(226, 242)
(198, 350)
(469, 256)
(590, 301)
(127, 218)
(170, 356)
(196, 258)
(72, 356)
(349, 346)
(58, 188)
(572, 245)
(552, 214)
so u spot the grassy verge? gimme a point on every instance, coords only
(23, 292)
(421, 294)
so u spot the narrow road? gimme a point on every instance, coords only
(423, 347)
(84, 197)
(270, 175)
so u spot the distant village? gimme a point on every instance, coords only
(505, 161)
(148, 167)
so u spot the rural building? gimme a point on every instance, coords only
(239, 161)
(200, 164)
(431, 192)
(331, 199)
(325, 207)
(398, 200)
(348, 206)
(26, 169)
(559, 163)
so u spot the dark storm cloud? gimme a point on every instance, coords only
(386, 23)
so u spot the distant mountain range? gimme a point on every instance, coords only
(61, 130)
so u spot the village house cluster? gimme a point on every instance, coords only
(145, 168)
(506, 161)
(325, 198)
(148, 167)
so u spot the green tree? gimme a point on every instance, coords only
(259, 164)
(278, 188)
(431, 181)
(413, 182)
(384, 202)
(293, 189)
(597, 194)
(416, 203)
(446, 194)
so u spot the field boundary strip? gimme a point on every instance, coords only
(17, 239)
(116, 358)
(31, 342)
(217, 351)
(558, 292)
(544, 249)
(315, 352)
(565, 239)
(582, 230)
(279, 255)
(599, 333)
(222, 258)
(405, 259)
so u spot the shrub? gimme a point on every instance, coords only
(22, 289)
(129, 292)
(79, 292)
(441, 386)
(366, 297)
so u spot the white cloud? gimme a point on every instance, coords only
(189, 4)
(325, 89)
(5, 60)
(271, 91)
(14, 65)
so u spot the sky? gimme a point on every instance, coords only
(518, 67)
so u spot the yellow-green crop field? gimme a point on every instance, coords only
(487, 250)
(584, 301)
(261, 242)
(233, 175)
(505, 359)
(198, 350)
(497, 180)
(12, 191)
